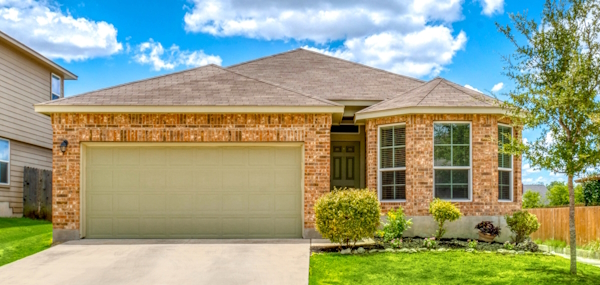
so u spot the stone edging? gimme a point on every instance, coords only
(567, 251)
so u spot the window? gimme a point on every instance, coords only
(392, 163)
(56, 87)
(4, 161)
(504, 165)
(452, 160)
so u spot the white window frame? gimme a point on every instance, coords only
(512, 164)
(379, 170)
(8, 162)
(59, 82)
(470, 167)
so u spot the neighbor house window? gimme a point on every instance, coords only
(392, 163)
(452, 160)
(56, 87)
(4, 161)
(504, 165)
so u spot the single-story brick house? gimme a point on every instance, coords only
(245, 151)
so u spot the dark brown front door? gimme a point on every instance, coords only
(345, 164)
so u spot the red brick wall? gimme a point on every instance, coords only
(419, 164)
(312, 129)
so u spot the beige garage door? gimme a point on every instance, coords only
(193, 192)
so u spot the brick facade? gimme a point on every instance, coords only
(312, 129)
(419, 164)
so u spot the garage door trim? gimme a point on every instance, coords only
(82, 171)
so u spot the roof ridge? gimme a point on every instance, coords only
(264, 57)
(282, 87)
(441, 79)
(129, 83)
(362, 65)
(454, 85)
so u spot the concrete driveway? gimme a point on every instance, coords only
(164, 262)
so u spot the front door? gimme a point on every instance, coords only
(345, 164)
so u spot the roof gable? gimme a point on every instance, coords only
(326, 76)
(438, 92)
(209, 85)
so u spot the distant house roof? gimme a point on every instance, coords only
(327, 76)
(208, 86)
(438, 93)
(38, 57)
(536, 188)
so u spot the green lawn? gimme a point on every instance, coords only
(23, 237)
(446, 268)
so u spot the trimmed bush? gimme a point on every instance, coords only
(442, 212)
(522, 224)
(396, 224)
(346, 216)
(591, 193)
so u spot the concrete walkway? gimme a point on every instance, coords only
(164, 262)
(594, 262)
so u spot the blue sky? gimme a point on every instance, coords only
(112, 42)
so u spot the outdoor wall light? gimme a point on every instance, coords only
(63, 146)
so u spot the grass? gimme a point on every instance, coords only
(23, 237)
(552, 242)
(446, 268)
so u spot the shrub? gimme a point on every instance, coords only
(347, 215)
(593, 246)
(443, 211)
(396, 224)
(396, 243)
(472, 244)
(508, 245)
(527, 245)
(532, 200)
(430, 242)
(591, 193)
(487, 227)
(522, 224)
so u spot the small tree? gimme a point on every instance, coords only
(556, 71)
(522, 224)
(442, 212)
(532, 200)
(558, 194)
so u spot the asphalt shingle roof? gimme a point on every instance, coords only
(438, 92)
(326, 76)
(209, 85)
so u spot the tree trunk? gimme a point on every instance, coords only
(572, 237)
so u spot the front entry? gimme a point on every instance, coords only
(345, 164)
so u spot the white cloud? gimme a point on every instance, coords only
(154, 54)
(491, 7)
(498, 87)
(472, 88)
(409, 37)
(538, 180)
(45, 28)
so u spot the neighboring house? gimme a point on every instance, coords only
(26, 78)
(245, 151)
(539, 188)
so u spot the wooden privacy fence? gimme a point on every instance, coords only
(555, 224)
(37, 193)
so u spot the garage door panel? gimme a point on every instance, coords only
(207, 156)
(193, 192)
(127, 157)
(208, 179)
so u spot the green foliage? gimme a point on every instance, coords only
(554, 243)
(396, 224)
(593, 246)
(532, 199)
(508, 245)
(522, 224)
(591, 193)
(396, 243)
(442, 212)
(579, 198)
(558, 194)
(347, 215)
(430, 242)
(472, 244)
